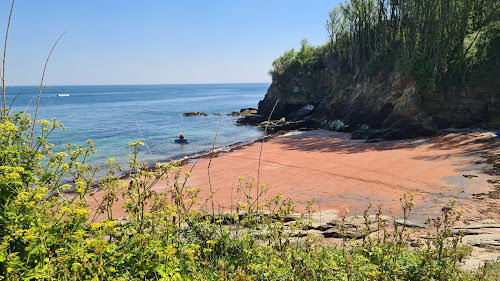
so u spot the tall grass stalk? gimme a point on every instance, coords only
(41, 87)
(211, 198)
(4, 58)
(262, 146)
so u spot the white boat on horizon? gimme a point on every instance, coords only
(63, 95)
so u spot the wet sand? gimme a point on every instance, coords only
(343, 173)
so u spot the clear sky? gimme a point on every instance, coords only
(156, 42)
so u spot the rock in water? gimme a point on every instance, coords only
(195, 114)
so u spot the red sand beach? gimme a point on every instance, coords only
(343, 173)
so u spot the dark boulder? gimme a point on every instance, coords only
(195, 114)
(301, 113)
(251, 120)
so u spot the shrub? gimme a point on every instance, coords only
(293, 62)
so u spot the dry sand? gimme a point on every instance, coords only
(343, 173)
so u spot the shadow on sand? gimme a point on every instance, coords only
(459, 144)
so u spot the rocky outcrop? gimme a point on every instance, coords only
(251, 120)
(301, 113)
(195, 114)
(389, 103)
(250, 117)
(245, 112)
(354, 227)
(482, 237)
(283, 125)
(248, 112)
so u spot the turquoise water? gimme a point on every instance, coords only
(110, 116)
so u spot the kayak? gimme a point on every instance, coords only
(181, 141)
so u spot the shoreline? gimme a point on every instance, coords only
(226, 149)
(344, 173)
(205, 155)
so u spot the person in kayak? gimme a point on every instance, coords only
(181, 137)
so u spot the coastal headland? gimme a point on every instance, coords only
(341, 173)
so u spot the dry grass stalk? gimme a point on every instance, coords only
(211, 197)
(145, 143)
(262, 145)
(41, 86)
(3, 58)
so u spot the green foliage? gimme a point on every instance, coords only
(335, 25)
(490, 271)
(438, 42)
(293, 63)
(49, 233)
(283, 62)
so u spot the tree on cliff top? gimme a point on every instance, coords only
(436, 41)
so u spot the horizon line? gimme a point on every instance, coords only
(152, 84)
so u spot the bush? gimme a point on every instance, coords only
(293, 62)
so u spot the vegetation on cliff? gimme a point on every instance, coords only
(436, 41)
(411, 56)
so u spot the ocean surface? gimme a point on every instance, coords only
(113, 115)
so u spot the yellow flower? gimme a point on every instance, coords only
(76, 266)
(61, 154)
(171, 250)
(136, 143)
(44, 123)
(7, 126)
(81, 211)
(22, 196)
(13, 176)
(95, 225)
(18, 169)
(65, 186)
(80, 233)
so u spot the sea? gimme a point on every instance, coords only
(114, 116)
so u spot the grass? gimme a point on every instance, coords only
(492, 271)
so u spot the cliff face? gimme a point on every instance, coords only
(387, 101)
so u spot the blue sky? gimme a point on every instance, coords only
(156, 42)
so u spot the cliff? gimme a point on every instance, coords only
(386, 104)
(393, 69)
